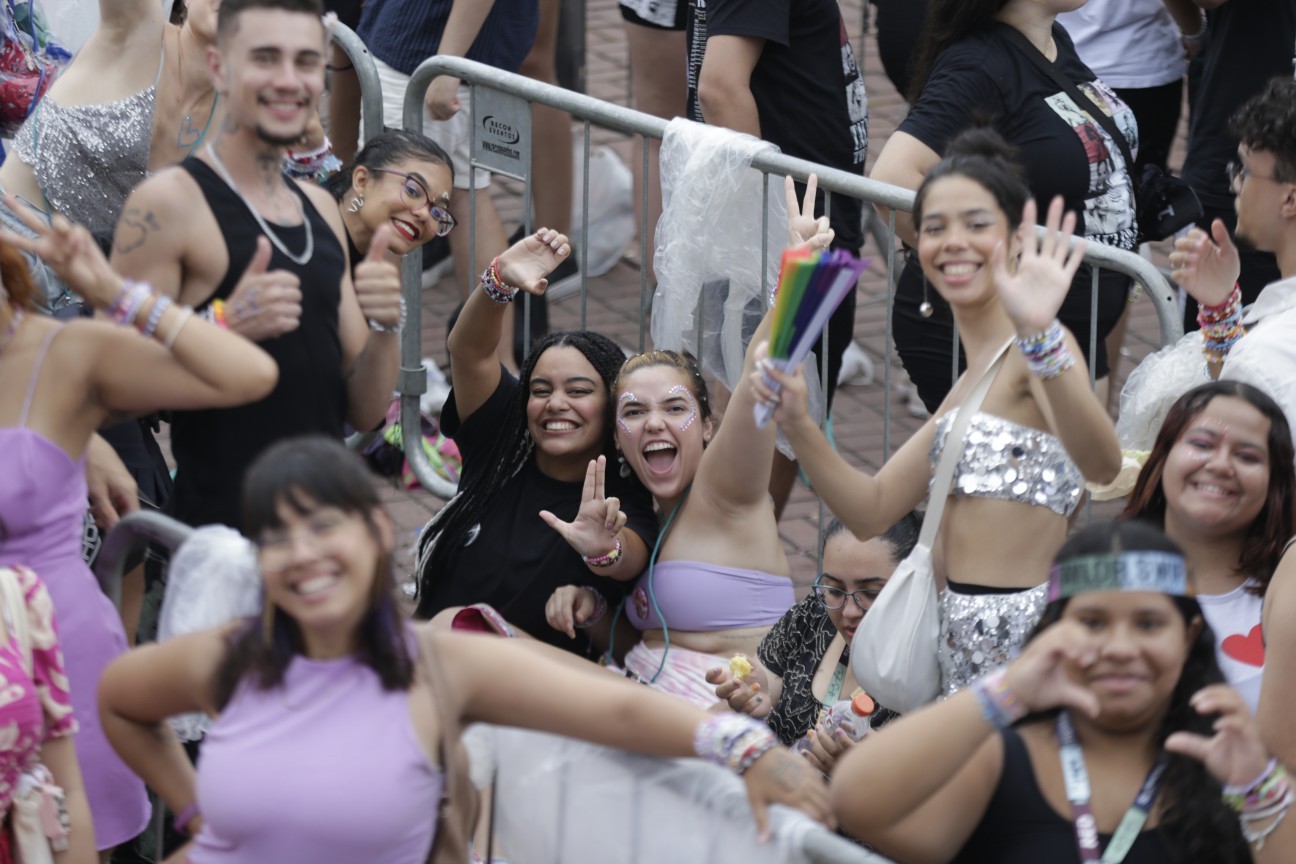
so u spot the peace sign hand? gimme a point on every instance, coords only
(70, 251)
(527, 262)
(804, 230)
(594, 530)
(1033, 294)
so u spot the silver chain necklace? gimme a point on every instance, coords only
(299, 260)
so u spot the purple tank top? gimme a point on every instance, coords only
(325, 768)
(700, 598)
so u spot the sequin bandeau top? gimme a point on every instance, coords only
(1011, 462)
(88, 158)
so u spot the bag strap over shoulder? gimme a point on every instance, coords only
(953, 449)
(1082, 101)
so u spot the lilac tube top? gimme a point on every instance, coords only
(698, 598)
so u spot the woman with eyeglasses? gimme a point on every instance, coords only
(402, 179)
(804, 660)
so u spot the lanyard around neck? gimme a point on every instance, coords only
(1076, 778)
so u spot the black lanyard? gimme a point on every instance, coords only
(1076, 778)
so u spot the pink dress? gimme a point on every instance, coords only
(42, 513)
(35, 707)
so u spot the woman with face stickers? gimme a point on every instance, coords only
(537, 508)
(1220, 482)
(331, 709)
(1112, 722)
(804, 661)
(1039, 433)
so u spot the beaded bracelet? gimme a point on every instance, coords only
(126, 305)
(607, 559)
(1263, 790)
(1221, 326)
(155, 315)
(1276, 813)
(1047, 353)
(600, 609)
(215, 313)
(494, 286)
(999, 705)
(318, 164)
(1221, 310)
(733, 741)
(379, 327)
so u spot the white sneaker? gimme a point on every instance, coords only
(856, 368)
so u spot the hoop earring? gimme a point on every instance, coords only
(925, 307)
(624, 470)
(356, 203)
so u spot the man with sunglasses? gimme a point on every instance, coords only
(1258, 345)
(228, 234)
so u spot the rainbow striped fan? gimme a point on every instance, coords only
(811, 287)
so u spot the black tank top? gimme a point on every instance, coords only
(1020, 827)
(213, 448)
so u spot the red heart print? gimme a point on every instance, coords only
(1248, 649)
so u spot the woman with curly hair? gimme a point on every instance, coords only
(537, 508)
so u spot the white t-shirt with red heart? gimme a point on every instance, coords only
(1239, 645)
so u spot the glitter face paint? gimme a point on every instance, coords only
(621, 423)
(681, 390)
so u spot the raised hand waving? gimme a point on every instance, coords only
(527, 262)
(1033, 293)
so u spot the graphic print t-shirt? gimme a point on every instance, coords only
(1239, 644)
(985, 79)
(808, 88)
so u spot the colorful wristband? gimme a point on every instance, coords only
(607, 559)
(600, 609)
(999, 705)
(494, 286)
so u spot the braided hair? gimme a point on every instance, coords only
(508, 454)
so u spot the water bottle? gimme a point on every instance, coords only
(849, 715)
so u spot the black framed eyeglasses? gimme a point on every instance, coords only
(835, 598)
(1238, 173)
(416, 197)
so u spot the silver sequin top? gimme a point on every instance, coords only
(981, 632)
(1011, 462)
(87, 158)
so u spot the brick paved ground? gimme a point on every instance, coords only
(612, 305)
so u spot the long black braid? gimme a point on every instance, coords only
(507, 456)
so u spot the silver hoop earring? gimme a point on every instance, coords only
(624, 470)
(356, 203)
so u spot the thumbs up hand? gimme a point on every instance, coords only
(265, 303)
(378, 285)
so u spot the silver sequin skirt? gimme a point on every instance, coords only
(981, 632)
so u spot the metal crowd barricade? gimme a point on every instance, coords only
(512, 135)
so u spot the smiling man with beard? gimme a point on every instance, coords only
(195, 233)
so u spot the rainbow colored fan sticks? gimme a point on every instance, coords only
(811, 287)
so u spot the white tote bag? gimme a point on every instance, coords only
(893, 654)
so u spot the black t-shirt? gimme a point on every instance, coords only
(1247, 43)
(808, 89)
(512, 559)
(986, 79)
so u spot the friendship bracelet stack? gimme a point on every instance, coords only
(811, 287)
(495, 287)
(126, 307)
(605, 560)
(999, 705)
(733, 741)
(1268, 797)
(1047, 354)
(318, 164)
(1221, 326)
(600, 605)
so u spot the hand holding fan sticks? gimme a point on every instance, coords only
(811, 287)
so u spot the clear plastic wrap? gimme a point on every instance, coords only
(1149, 391)
(563, 800)
(212, 579)
(708, 250)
